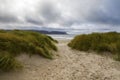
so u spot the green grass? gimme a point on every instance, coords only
(16, 42)
(98, 42)
(8, 62)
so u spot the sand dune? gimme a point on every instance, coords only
(69, 65)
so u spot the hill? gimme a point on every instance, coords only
(98, 42)
(16, 42)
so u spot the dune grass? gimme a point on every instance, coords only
(16, 42)
(8, 62)
(98, 42)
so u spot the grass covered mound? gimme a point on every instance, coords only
(16, 42)
(98, 42)
(8, 62)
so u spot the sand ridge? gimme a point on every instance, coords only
(69, 65)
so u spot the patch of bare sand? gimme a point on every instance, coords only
(69, 65)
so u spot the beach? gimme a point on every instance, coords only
(67, 64)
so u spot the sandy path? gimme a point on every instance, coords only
(70, 65)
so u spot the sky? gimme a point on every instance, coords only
(60, 14)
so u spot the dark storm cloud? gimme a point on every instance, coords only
(102, 18)
(7, 18)
(106, 13)
(34, 21)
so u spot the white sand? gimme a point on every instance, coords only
(69, 65)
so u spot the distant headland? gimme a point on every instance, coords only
(46, 31)
(50, 32)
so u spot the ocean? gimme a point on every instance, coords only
(62, 36)
(71, 34)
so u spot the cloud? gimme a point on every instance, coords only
(59, 14)
(107, 13)
(34, 20)
(50, 13)
(7, 18)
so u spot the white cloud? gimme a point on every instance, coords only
(74, 14)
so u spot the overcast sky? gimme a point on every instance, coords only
(60, 14)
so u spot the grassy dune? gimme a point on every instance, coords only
(15, 42)
(98, 42)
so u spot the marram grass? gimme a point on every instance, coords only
(98, 42)
(8, 62)
(16, 42)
